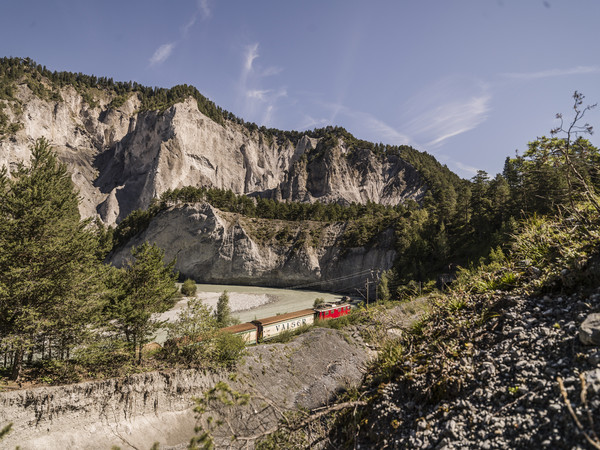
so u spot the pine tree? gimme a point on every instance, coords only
(50, 273)
(223, 312)
(147, 286)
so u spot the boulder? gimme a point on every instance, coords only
(589, 331)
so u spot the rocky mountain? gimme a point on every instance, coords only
(213, 246)
(122, 153)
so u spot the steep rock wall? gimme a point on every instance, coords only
(335, 175)
(216, 247)
(121, 158)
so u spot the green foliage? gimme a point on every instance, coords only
(373, 214)
(223, 312)
(229, 349)
(54, 371)
(388, 358)
(118, 101)
(287, 335)
(383, 289)
(103, 357)
(455, 302)
(194, 339)
(188, 288)
(146, 286)
(50, 274)
(318, 301)
(190, 338)
(136, 222)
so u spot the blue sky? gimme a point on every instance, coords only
(469, 81)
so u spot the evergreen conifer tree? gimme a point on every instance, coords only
(50, 273)
(147, 286)
(223, 312)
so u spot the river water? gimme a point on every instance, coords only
(279, 301)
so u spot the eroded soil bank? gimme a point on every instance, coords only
(136, 411)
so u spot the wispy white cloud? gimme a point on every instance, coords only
(259, 102)
(270, 71)
(258, 93)
(185, 29)
(266, 94)
(455, 118)
(466, 167)
(450, 107)
(388, 133)
(550, 73)
(162, 53)
(311, 122)
(373, 128)
(204, 8)
(250, 55)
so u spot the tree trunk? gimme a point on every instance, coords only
(17, 364)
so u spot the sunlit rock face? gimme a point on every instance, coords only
(212, 246)
(121, 158)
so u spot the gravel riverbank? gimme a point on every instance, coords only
(237, 302)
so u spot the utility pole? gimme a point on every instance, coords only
(367, 288)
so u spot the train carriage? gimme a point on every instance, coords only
(272, 326)
(248, 331)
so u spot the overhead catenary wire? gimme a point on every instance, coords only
(331, 280)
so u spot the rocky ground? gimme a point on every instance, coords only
(138, 410)
(510, 396)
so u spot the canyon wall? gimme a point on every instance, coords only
(212, 246)
(121, 157)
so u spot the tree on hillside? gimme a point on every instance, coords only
(556, 171)
(579, 158)
(146, 287)
(383, 288)
(50, 273)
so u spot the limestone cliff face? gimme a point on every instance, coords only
(216, 247)
(121, 158)
(335, 175)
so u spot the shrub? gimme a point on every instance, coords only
(188, 288)
(318, 301)
(189, 338)
(229, 348)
